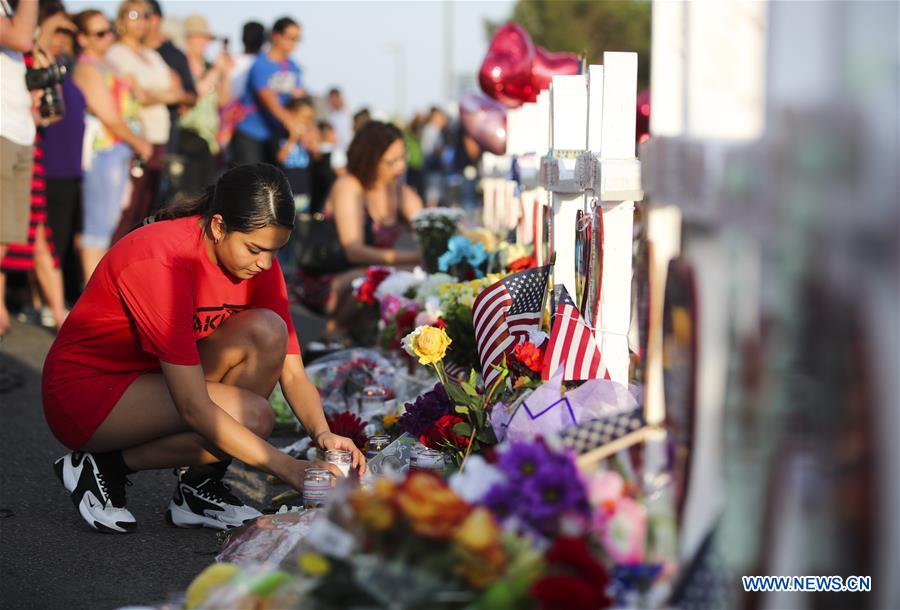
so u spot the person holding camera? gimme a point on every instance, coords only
(113, 136)
(17, 131)
(37, 256)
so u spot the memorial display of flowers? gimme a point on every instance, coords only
(433, 228)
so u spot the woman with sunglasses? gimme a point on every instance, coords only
(112, 137)
(158, 87)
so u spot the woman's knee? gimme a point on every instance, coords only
(268, 332)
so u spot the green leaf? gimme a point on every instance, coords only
(457, 395)
(486, 435)
(461, 409)
(462, 428)
(473, 378)
(469, 389)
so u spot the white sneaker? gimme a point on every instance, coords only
(98, 496)
(207, 504)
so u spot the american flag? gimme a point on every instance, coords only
(505, 311)
(572, 344)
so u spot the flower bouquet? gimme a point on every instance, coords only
(434, 227)
(456, 302)
(454, 417)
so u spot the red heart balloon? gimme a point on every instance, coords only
(484, 120)
(505, 73)
(547, 64)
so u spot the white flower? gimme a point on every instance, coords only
(407, 341)
(473, 483)
(431, 286)
(398, 283)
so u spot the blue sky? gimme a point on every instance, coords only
(355, 45)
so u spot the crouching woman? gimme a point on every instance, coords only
(168, 358)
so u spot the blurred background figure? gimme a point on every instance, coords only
(415, 158)
(156, 86)
(175, 59)
(432, 150)
(198, 127)
(339, 117)
(17, 131)
(35, 256)
(272, 81)
(63, 153)
(370, 207)
(253, 37)
(113, 135)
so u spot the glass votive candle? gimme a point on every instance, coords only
(423, 458)
(371, 401)
(340, 458)
(376, 443)
(317, 483)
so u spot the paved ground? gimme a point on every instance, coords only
(49, 558)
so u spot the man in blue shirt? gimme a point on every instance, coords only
(274, 79)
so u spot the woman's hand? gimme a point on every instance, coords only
(297, 471)
(329, 440)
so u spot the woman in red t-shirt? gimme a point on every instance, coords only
(168, 358)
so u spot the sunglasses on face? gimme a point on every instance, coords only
(100, 33)
(135, 15)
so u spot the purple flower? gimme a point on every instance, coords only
(542, 488)
(554, 491)
(523, 460)
(503, 500)
(427, 409)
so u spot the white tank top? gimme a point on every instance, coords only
(16, 122)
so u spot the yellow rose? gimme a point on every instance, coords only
(478, 546)
(427, 343)
(478, 532)
(480, 235)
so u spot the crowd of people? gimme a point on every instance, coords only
(133, 122)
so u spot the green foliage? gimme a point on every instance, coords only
(588, 27)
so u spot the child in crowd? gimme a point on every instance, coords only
(293, 156)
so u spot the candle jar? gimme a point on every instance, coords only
(340, 458)
(423, 458)
(371, 401)
(317, 484)
(376, 443)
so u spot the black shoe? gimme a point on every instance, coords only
(99, 496)
(207, 503)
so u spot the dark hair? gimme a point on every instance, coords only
(48, 8)
(282, 24)
(296, 103)
(334, 91)
(155, 8)
(360, 118)
(253, 36)
(248, 197)
(367, 148)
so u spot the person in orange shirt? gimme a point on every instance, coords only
(169, 357)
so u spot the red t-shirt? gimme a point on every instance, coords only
(151, 298)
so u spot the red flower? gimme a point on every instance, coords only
(524, 262)
(406, 318)
(349, 425)
(374, 277)
(439, 323)
(530, 355)
(441, 431)
(576, 580)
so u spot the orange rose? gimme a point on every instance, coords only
(374, 509)
(432, 508)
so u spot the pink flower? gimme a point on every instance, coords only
(624, 535)
(391, 306)
(605, 489)
(426, 318)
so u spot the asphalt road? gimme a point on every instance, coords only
(50, 558)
